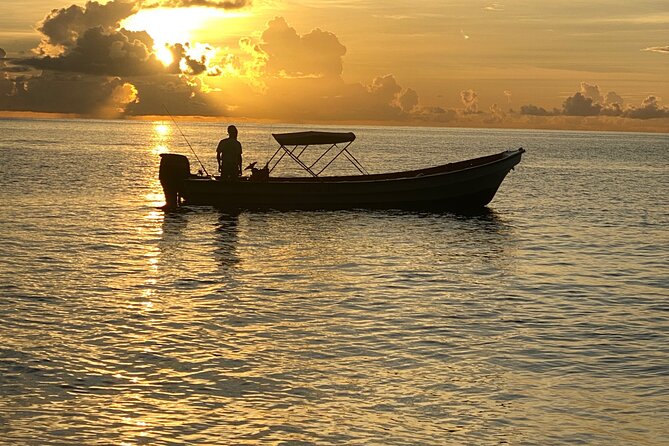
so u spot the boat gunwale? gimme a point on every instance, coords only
(426, 172)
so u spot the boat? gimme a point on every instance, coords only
(464, 185)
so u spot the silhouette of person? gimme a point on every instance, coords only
(229, 155)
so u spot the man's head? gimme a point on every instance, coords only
(232, 131)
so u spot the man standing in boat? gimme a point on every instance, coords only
(229, 155)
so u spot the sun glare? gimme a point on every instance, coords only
(164, 55)
(161, 129)
(174, 25)
(177, 25)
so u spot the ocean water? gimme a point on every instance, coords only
(544, 320)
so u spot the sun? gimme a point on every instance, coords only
(164, 55)
(168, 26)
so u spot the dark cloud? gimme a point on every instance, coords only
(590, 102)
(579, 105)
(62, 28)
(6, 86)
(384, 88)
(15, 69)
(180, 94)
(613, 109)
(316, 54)
(408, 100)
(96, 51)
(2, 60)
(102, 51)
(68, 93)
(534, 110)
(649, 109)
(179, 55)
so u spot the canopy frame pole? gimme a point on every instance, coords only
(299, 161)
(301, 151)
(363, 170)
(296, 158)
(322, 155)
(272, 157)
(350, 157)
(356, 163)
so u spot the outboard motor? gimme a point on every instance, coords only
(173, 170)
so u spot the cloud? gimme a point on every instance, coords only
(591, 91)
(497, 114)
(613, 109)
(534, 110)
(580, 105)
(181, 95)
(657, 49)
(93, 67)
(102, 49)
(649, 109)
(299, 74)
(495, 7)
(508, 95)
(385, 88)
(69, 93)
(590, 102)
(100, 52)
(222, 4)
(408, 100)
(470, 100)
(62, 28)
(4, 79)
(184, 63)
(613, 98)
(316, 54)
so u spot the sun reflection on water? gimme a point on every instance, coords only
(159, 137)
(159, 148)
(161, 129)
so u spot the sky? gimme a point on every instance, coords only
(599, 65)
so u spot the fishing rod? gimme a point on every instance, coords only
(186, 139)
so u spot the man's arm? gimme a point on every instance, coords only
(218, 156)
(239, 161)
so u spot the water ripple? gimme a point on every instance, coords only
(541, 321)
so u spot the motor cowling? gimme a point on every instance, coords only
(174, 169)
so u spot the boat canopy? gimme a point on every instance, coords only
(309, 138)
(305, 139)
